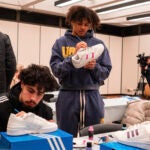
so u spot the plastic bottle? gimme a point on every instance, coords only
(89, 146)
(124, 126)
(91, 132)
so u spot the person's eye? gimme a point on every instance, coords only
(30, 91)
(87, 25)
(79, 23)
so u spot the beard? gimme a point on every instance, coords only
(29, 104)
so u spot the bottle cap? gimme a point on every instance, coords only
(124, 126)
(91, 128)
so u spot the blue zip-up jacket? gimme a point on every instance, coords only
(70, 77)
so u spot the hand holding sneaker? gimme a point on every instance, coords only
(21, 113)
(85, 55)
(91, 64)
(28, 123)
(80, 45)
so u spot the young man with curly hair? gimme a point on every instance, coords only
(79, 102)
(27, 95)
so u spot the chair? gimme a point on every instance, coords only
(101, 128)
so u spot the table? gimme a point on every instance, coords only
(112, 143)
(95, 139)
(114, 107)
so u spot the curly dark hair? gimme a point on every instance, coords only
(78, 13)
(38, 75)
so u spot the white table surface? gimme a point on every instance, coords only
(95, 139)
(114, 108)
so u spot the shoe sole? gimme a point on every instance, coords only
(17, 132)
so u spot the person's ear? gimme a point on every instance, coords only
(72, 23)
(90, 27)
(22, 85)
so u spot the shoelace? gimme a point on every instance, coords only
(82, 109)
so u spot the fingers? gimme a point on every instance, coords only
(21, 113)
(90, 65)
(81, 45)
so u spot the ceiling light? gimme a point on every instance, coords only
(122, 6)
(62, 3)
(139, 17)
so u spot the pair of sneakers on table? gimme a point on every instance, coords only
(85, 55)
(29, 123)
(137, 135)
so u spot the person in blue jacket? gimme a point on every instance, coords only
(79, 102)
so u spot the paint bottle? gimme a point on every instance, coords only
(124, 126)
(90, 132)
(89, 146)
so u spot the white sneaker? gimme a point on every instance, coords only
(29, 123)
(137, 135)
(85, 55)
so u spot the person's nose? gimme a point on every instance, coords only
(82, 26)
(34, 97)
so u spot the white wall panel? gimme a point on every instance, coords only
(28, 44)
(144, 47)
(33, 44)
(114, 84)
(145, 44)
(10, 28)
(105, 39)
(48, 37)
(130, 67)
(62, 31)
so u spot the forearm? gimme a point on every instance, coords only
(61, 69)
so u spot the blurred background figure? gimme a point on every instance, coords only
(15, 78)
(143, 87)
(7, 63)
(146, 73)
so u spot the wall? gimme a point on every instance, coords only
(133, 46)
(32, 43)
